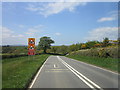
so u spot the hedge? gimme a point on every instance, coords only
(99, 52)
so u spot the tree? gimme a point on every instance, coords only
(118, 40)
(91, 44)
(8, 49)
(105, 41)
(83, 46)
(97, 45)
(45, 43)
(72, 48)
(54, 49)
(63, 49)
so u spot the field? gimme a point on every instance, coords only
(107, 63)
(17, 72)
(15, 51)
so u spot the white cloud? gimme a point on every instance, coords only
(34, 31)
(21, 26)
(47, 9)
(9, 37)
(113, 16)
(39, 26)
(20, 35)
(60, 0)
(100, 33)
(31, 32)
(106, 19)
(6, 33)
(57, 34)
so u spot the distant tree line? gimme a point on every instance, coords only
(44, 46)
(63, 49)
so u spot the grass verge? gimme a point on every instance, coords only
(107, 63)
(17, 72)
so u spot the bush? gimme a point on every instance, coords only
(12, 55)
(99, 52)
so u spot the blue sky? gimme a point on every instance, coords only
(66, 23)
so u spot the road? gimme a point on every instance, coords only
(63, 72)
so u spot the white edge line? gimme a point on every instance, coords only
(84, 76)
(95, 66)
(79, 73)
(79, 76)
(37, 74)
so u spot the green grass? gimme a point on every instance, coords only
(108, 63)
(0, 74)
(17, 72)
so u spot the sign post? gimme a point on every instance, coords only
(31, 46)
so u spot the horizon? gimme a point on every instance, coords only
(52, 44)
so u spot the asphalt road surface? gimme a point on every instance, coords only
(63, 72)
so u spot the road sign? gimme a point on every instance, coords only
(31, 52)
(31, 46)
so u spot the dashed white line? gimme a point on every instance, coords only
(54, 66)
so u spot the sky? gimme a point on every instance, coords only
(65, 22)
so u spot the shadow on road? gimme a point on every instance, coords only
(53, 54)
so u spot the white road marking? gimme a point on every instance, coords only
(56, 69)
(81, 76)
(37, 74)
(54, 66)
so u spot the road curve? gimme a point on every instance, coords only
(63, 72)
